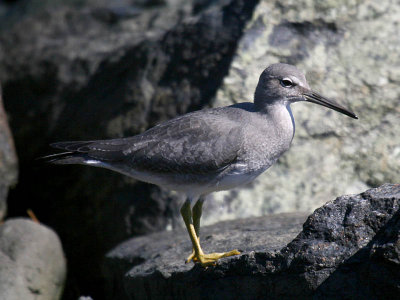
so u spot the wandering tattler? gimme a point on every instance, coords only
(208, 150)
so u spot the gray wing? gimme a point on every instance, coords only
(197, 143)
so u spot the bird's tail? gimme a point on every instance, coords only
(65, 158)
(94, 153)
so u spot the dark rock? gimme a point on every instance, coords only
(135, 268)
(100, 71)
(8, 160)
(32, 263)
(348, 249)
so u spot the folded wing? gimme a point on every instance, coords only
(196, 143)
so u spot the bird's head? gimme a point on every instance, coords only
(283, 83)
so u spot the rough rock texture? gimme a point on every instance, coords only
(350, 51)
(348, 249)
(8, 160)
(162, 255)
(75, 70)
(32, 263)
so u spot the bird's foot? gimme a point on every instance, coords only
(210, 259)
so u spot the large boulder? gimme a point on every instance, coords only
(348, 249)
(32, 262)
(350, 51)
(8, 160)
(130, 266)
(93, 70)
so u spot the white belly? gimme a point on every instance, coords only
(231, 181)
(219, 183)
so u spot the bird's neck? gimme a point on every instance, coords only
(281, 118)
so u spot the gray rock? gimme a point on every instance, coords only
(348, 249)
(85, 298)
(93, 70)
(350, 51)
(163, 254)
(8, 160)
(32, 263)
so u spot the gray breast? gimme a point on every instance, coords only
(267, 137)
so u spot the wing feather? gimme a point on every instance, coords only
(196, 143)
(190, 144)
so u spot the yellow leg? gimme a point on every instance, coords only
(199, 256)
(187, 218)
(196, 215)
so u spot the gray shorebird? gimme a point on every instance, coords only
(208, 150)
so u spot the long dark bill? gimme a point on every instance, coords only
(313, 97)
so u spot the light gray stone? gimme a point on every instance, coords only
(8, 160)
(350, 51)
(32, 263)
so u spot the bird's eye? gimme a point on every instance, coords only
(286, 82)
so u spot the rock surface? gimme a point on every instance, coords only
(32, 263)
(8, 160)
(163, 254)
(348, 249)
(350, 51)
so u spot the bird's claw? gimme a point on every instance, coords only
(211, 259)
(191, 257)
